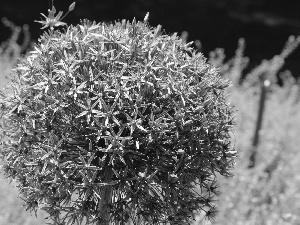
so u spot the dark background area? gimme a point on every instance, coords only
(265, 24)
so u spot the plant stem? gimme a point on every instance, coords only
(105, 199)
(264, 89)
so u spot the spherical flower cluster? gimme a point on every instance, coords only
(116, 122)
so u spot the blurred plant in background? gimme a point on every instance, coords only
(10, 50)
(267, 193)
(11, 212)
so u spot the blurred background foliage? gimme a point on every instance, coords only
(265, 24)
(265, 194)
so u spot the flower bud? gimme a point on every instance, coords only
(146, 17)
(71, 7)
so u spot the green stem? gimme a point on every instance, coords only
(106, 196)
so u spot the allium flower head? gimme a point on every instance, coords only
(116, 123)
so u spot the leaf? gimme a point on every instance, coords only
(82, 106)
(99, 113)
(152, 175)
(47, 155)
(106, 183)
(106, 122)
(82, 160)
(91, 159)
(81, 86)
(182, 101)
(122, 160)
(100, 35)
(141, 128)
(25, 68)
(82, 114)
(86, 180)
(116, 173)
